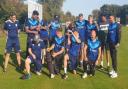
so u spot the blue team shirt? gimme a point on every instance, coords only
(43, 32)
(74, 48)
(113, 31)
(59, 43)
(89, 28)
(37, 49)
(81, 27)
(54, 26)
(12, 28)
(31, 22)
(93, 46)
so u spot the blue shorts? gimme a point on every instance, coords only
(13, 44)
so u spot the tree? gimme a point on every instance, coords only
(96, 14)
(8, 6)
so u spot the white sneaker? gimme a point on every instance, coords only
(38, 73)
(52, 75)
(114, 75)
(111, 72)
(84, 75)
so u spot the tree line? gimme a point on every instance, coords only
(116, 10)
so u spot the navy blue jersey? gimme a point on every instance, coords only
(54, 26)
(43, 32)
(113, 33)
(59, 43)
(89, 28)
(74, 48)
(30, 23)
(37, 49)
(81, 27)
(92, 51)
(12, 28)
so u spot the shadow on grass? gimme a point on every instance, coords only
(13, 61)
(1, 60)
(103, 70)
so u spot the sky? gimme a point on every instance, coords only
(86, 6)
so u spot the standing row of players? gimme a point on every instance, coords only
(83, 41)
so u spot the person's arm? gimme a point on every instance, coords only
(30, 52)
(58, 53)
(77, 38)
(69, 40)
(30, 31)
(99, 55)
(118, 32)
(50, 48)
(5, 29)
(29, 28)
(44, 27)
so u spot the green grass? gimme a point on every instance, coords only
(10, 79)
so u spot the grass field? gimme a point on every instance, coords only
(10, 79)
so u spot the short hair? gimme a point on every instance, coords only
(35, 12)
(59, 30)
(80, 14)
(90, 16)
(12, 14)
(95, 31)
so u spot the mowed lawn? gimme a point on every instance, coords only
(10, 79)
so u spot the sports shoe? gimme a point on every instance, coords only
(114, 75)
(111, 72)
(52, 75)
(19, 68)
(84, 75)
(26, 76)
(74, 72)
(65, 76)
(38, 73)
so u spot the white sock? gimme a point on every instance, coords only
(65, 70)
(81, 61)
(108, 64)
(101, 63)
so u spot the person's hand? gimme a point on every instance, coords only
(70, 31)
(48, 49)
(34, 57)
(33, 27)
(86, 59)
(96, 62)
(38, 28)
(117, 45)
(54, 55)
(35, 32)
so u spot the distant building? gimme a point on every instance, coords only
(34, 5)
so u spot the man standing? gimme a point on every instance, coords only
(53, 26)
(32, 27)
(102, 35)
(81, 27)
(11, 27)
(114, 41)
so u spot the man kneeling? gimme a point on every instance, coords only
(73, 50)
(35, 54)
